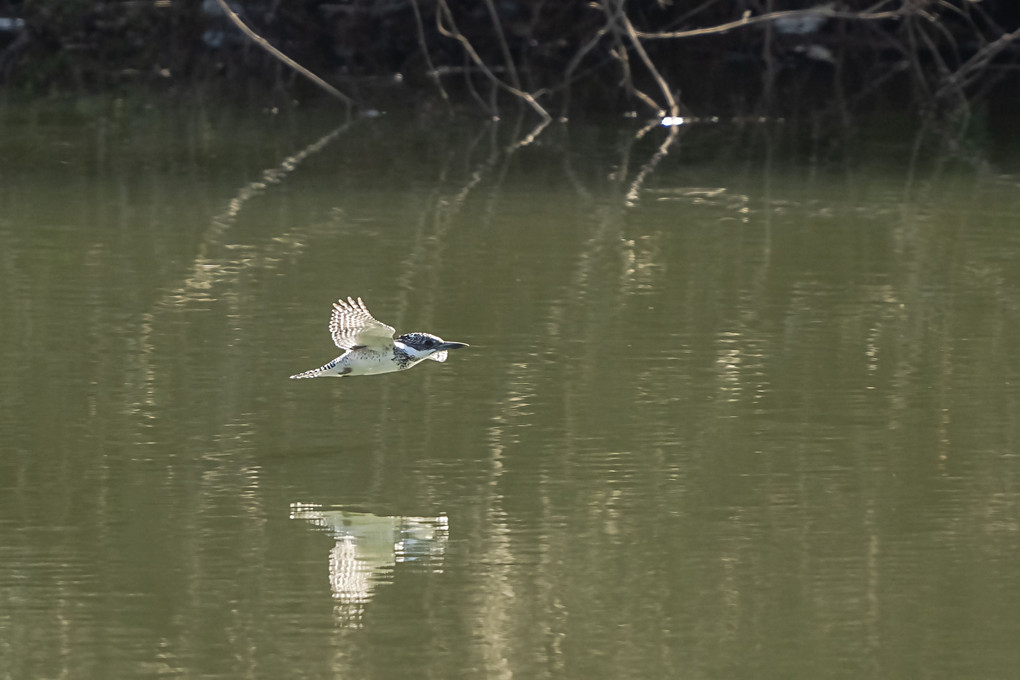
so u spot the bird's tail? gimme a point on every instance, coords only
(333, 368)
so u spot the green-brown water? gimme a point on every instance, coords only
(754, 413)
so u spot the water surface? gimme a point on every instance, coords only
(747, 409)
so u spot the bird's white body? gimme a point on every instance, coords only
(370, 346)
(367, 361)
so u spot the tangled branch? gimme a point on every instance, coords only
(450, 30)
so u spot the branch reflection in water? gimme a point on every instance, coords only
(367, 549)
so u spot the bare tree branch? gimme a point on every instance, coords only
(748, 20)
(507, 57)
(632, 34)
(425, 52)
(451, 31)
(264, 44)
(965, 74)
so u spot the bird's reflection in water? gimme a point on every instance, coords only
(368, 546)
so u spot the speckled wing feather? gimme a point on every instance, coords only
(352, 325)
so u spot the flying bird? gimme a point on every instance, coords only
(370, 347)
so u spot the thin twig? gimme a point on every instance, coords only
(639, 48)
(962, 76)
(748, 20)
(622, 55)
(507, 57)
(264, 44)
(451, 31)
(575, 61)
(425, 52)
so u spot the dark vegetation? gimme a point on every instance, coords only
(559, 58)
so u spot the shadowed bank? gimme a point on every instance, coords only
(558, 60)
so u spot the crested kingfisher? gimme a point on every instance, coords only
(370, 347)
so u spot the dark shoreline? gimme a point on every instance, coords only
(570, 60)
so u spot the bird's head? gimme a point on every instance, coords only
(428, 346)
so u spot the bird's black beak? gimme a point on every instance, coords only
(452, 345)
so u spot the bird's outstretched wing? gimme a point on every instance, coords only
(352, 325)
